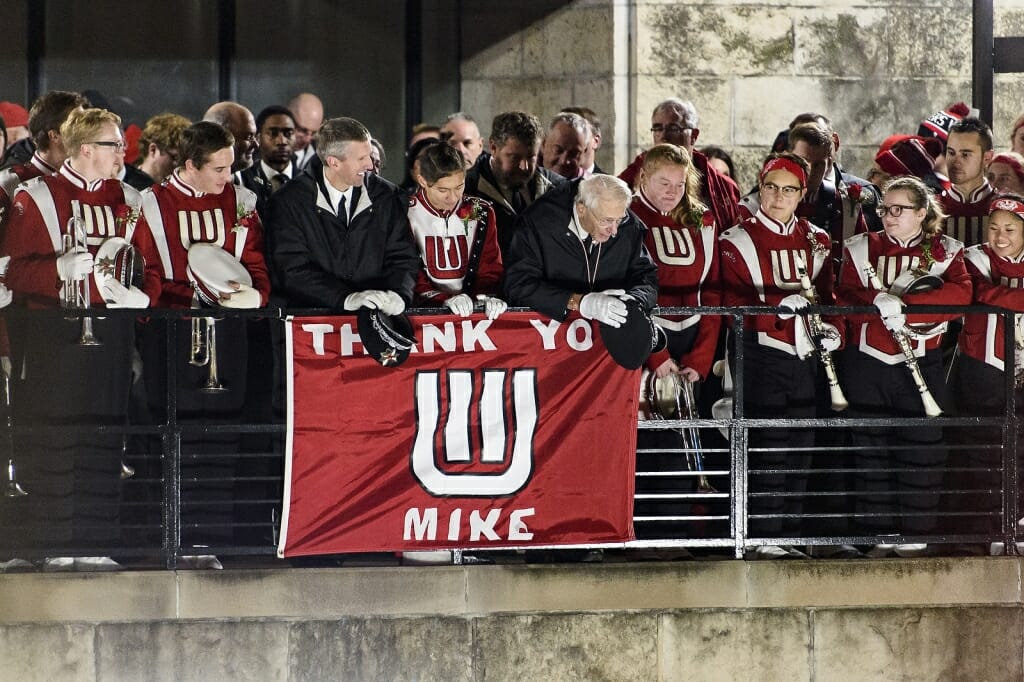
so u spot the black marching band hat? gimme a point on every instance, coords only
(631, 344)
(388, 338)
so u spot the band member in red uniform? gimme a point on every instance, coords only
(198, 204)
(682, 239)
(761, 262)
(965, 202)
(997, 273)
(879, 379)
(75, 477)
(456, 236)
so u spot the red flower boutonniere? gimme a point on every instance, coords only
(855, 193)
(125, 217)
(932, 251)
(244, 219)
(475, 212)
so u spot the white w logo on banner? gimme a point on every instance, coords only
(493, 429)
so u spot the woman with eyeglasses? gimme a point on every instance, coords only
(910, 262)
(762, 261)
(456, 236)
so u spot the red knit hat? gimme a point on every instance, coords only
(14, 115)
(908, 155)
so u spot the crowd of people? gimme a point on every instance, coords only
(289, 208)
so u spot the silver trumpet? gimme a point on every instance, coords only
(687, 408)
(14, 488)
(203, 352)
(76, 294)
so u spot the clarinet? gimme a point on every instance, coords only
(816, 331)
(931, 407)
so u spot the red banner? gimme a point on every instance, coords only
(507, 433)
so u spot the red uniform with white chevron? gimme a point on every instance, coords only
(178, 216)
(453, 246)
(889, 259)
(998, 282)
(688, 275)
(38, 222)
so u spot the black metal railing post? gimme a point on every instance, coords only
(171, 449)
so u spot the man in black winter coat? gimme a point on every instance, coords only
(338, 235)
(580, 248)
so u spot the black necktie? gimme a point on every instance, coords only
(342, 211)
(354, 202)
(277, 182)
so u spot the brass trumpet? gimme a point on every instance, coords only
(203, 352)
(76, 294)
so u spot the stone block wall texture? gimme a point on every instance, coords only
(876, 67)
(713, 645)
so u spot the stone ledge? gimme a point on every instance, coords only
(484, 590)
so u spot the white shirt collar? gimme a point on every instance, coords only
(270, 173)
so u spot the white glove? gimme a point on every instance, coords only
(604, 307)
(371, 298)
(792, 303)
(393, 304)
(494, 307)
(829, 337)
(895, 323)
(117, 296)
(460, 304)
(74, 265)
(6, 296)
(888, 305)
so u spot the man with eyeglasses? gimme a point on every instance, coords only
(675, 122)
(579, 249)
(275, 128)
(58, 224)
(308, 112)
(240, 123)
(762, 259)
(966, 201)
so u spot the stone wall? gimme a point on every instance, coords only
(876, 67)
(889, 619)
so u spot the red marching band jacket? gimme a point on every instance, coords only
(459, 250)
(38, 222)
(997, 282)
(760, 259)
(890, 259)
(176, 216)
(968, 215)
(688, 275)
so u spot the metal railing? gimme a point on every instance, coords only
(229, 505)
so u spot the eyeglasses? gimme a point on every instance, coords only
(673, 129)
(895, 210)
(118, 146)
(785, 190)
(611, 222)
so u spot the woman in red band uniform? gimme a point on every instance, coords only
(456, 237)
(877, 382)
(997, 273)
(198, 204)
(761, 262)
(683, 241)
(74, 478)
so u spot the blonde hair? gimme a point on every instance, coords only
(672, 155)
(922, 197)
(83, 125)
